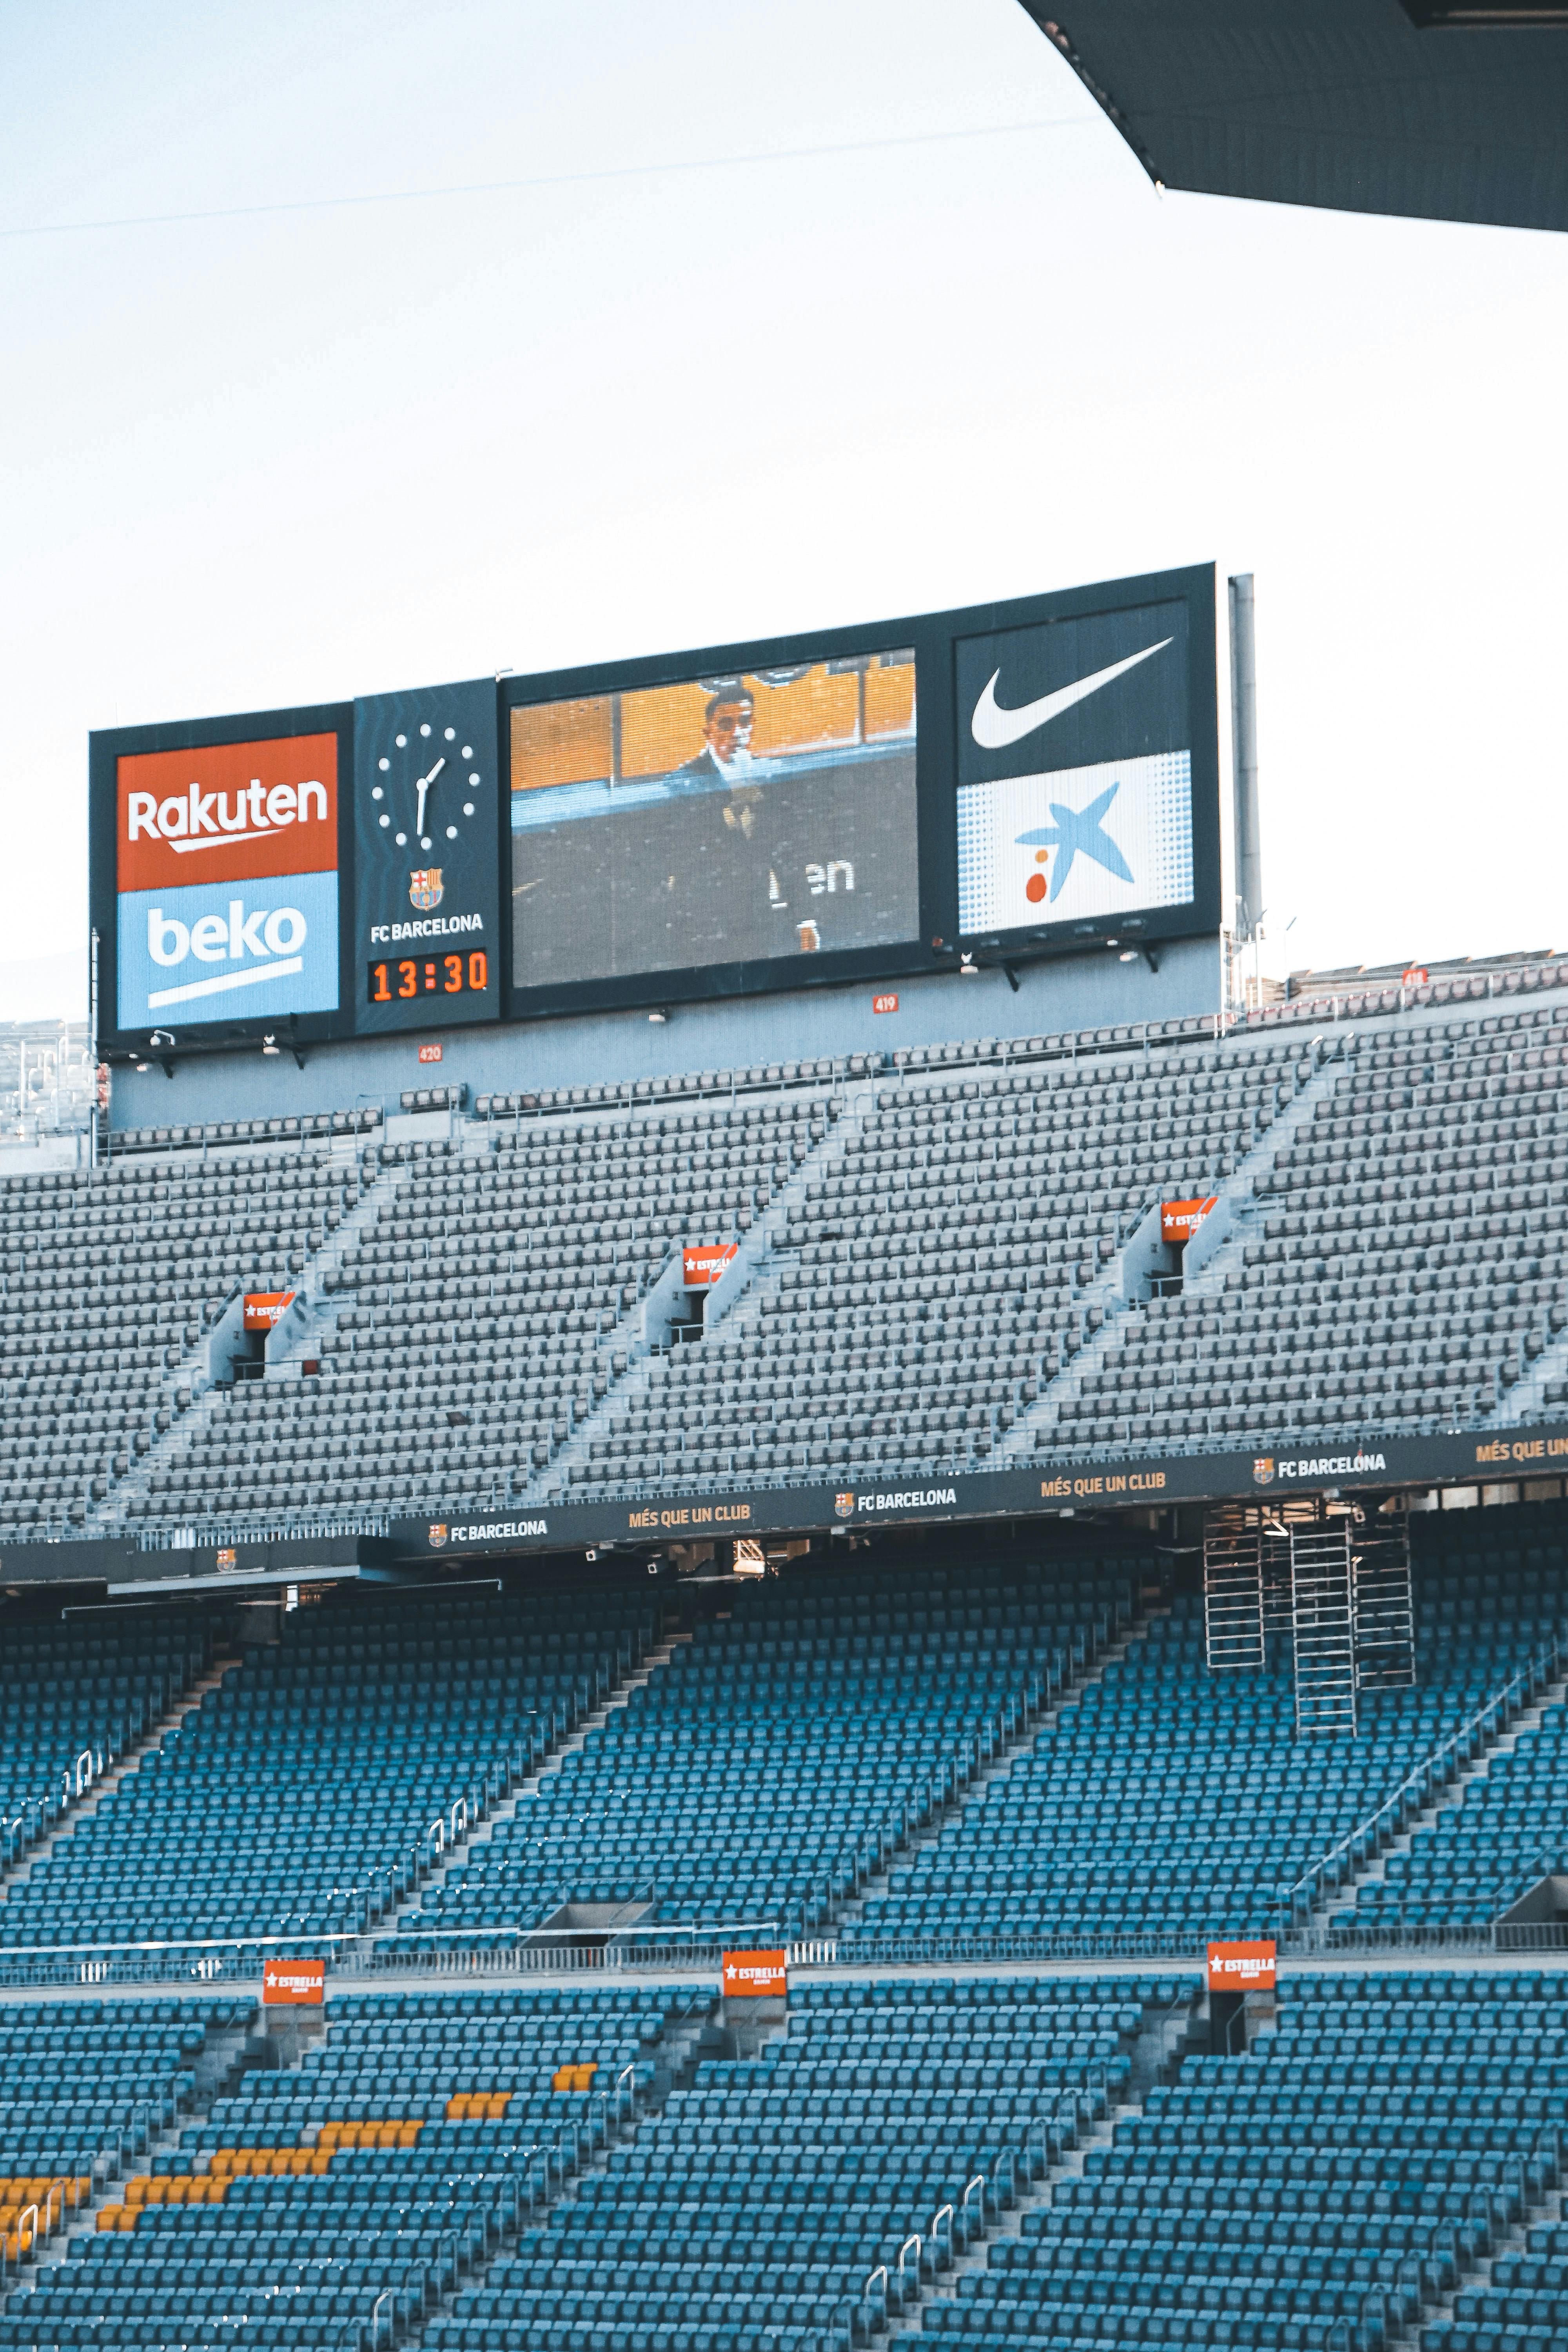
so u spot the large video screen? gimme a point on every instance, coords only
(1075, 770)
(763, 816)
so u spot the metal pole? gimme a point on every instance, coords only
(1244, 750)
(92, 1050)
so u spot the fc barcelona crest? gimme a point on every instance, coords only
(844, 1507)
(1263, 1470)
(424, 889)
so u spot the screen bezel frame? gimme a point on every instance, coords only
(937, 947)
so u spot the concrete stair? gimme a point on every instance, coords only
(129, 1760)
(1106, 1295)
(761, 1251)
(407, 1918)
(998, 1767)
(194, 1374)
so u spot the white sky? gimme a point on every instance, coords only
(956, 348)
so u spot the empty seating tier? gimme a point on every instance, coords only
(1329, 2185)
(1166, 1799)
(1404, 1268)
(116, 1277)
(950, 1265)
(327, 1775)
(74, 1694)
(787, 1748)
(879, 2135)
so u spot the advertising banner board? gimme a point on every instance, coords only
(702, 1262)
(755, 1975)
(263, 1308)
(709, 1508)
(1241, 1967)
(227, 880)
(294, 1984)
(1036, 776)
(1179, 1220)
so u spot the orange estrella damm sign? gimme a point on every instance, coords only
(1179, 1220)
(293, 1984)
(755, 1974)
(702, 1262)
(1241, 1967)
(263, 1308)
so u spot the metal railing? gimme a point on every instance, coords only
(1419, 1787)
(442, 1954)
(189, 1533)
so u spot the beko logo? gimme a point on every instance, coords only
(996, 730)
(198, 820)
(274, 936)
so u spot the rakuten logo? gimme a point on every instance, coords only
(275, 937)
(198, 820)
(236, 813)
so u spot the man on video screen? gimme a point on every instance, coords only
(726, 754)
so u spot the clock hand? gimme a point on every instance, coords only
(425, 784)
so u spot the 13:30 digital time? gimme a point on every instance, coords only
(445, 975)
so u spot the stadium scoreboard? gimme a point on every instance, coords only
(1011, 780)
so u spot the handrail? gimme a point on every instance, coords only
(386, 2295)
(912, 2240)
(627, 2071)
(978, 2182)
(935, 2227)
(1423, 1774)
(879, 2272)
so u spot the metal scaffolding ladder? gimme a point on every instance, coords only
(1232, 1587)
(1334, 1577)
(1324, 1627)
(1384, 1613)
(1277, 1616)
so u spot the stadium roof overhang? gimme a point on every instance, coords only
(1440, 110)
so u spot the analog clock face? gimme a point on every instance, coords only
(427, 880)
(426, 786)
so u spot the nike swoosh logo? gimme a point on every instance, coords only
(995, 729)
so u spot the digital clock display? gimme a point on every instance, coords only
(404, 977)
